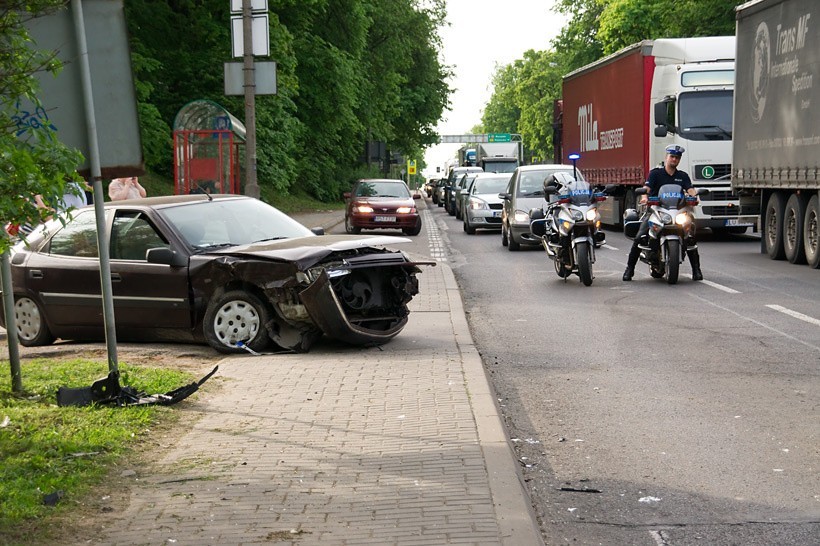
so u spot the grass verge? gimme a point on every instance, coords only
(49, 450)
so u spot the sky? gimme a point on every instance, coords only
(484, 34)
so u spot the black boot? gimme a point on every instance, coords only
(634, 254)
(694, 259)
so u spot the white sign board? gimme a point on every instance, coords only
(256, 5)
(264, 73)
(259, 32)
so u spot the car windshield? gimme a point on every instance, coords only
(496, 184)
(228, 222)
(381, 189)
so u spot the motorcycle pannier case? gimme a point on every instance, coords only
(632, 223)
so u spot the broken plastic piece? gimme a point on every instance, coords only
(109, 391)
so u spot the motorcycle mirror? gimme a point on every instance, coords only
(640, 191)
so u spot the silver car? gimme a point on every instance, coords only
(482, 203)
(524, 193)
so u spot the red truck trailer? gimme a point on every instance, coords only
(620, 112)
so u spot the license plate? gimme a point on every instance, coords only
(385, 218)
(736, 222)
(496, 214)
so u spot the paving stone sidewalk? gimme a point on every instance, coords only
(400, 445)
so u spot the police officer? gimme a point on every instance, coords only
(667, 174)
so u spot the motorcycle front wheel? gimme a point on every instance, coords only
(672, 256)
(584, 261)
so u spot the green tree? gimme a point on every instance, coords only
(32, 160)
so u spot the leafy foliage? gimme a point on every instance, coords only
(32, 161)
(525, 90)
(348, 71)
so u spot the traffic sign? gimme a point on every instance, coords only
(499, 137)
(411, 166)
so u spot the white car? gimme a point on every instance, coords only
(482, 205)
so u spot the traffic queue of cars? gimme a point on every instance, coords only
(497, 201)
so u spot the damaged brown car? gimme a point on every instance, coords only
(228, 270)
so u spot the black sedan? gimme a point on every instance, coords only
(228, 270)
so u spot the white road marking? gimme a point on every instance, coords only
(757, 322)
(718, 286)
(795, 314)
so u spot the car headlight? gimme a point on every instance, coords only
(477, 204)
(363, 208)
(521, 217)
(404, 210)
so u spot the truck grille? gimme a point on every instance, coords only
(712, 172)
(721, 211)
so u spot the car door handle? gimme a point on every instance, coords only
(35, 274)
(115, 277)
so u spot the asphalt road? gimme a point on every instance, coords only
(644, 413)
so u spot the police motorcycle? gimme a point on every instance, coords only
(569, 227)
(671, 230)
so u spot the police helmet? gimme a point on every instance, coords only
(550, 181)
(674, 149)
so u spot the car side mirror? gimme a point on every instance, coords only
(417, 195)
(318, 230)
(504, 196)
(165, 256)
(464, 192)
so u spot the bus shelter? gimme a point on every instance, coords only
(209, 146)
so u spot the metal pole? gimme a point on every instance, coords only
(11, 324)
(96, 177)
(251, 186)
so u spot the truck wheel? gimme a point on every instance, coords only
(772, 235)
(811, 232)
(236, 316)
(32, 329)
(793, 229)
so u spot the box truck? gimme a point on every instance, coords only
(776, 169)
(499, 157)
(620, 112)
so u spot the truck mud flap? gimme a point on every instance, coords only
(326, 312)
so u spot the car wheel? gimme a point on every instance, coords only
(32, 329)
(234, 317)
(413, 230)
(351, 229)
(467, 227)
(504, 238)
(513, 244)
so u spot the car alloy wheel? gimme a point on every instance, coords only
(234, 320)
(32, 329)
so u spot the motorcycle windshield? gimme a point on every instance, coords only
(578, 192)
(671, 196)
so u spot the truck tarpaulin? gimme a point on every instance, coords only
(606, 115)
(777, 108)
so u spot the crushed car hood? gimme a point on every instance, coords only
(306, 251)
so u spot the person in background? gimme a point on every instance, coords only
(125, 188)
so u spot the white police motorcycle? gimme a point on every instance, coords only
(569, 227)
